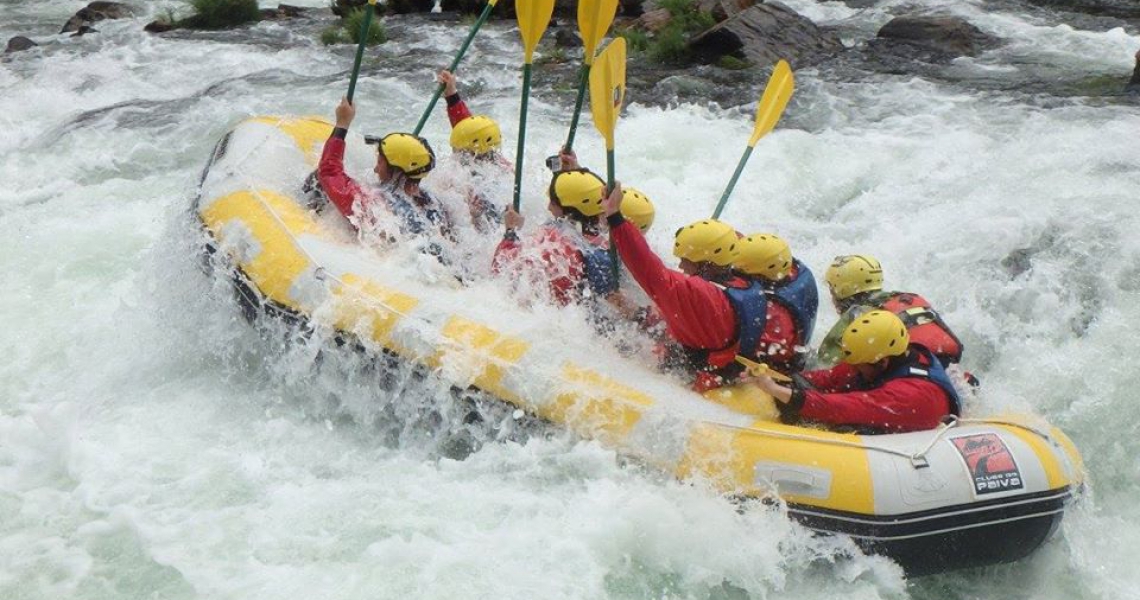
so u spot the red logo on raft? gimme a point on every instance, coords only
(990, 463)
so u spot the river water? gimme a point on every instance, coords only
(153, 446)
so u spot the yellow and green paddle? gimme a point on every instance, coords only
(776, 95)
(594, 20)
(607, 93)
(364, 27)
(455, 63)
(534, 18)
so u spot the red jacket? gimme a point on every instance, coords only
(697, 312)
(342, 190)
(562, 267)
(899, 405)
(456, 109)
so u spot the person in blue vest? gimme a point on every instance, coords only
(885, 384)
(766, 259)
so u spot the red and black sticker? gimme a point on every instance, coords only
(990, 463)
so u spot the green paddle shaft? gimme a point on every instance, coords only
(522, 136)
(364, 27)
(583, 80)
(610, 171)
(455, 64)
(732, 182)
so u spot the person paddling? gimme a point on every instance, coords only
(709, 312)
(402, 161)
(856, 285)
(476, 141)
(884, 384)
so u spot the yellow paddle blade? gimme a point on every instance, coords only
(607, 89)
(756, 369)
(594, 20)
(534, 18)
(776, 95)
(493, 2)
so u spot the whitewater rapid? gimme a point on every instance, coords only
(153, 446)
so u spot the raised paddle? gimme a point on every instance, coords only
(607, 92)
(455, 62)
(534, 18)
(364, 27)
(594, 20)
(776, 95)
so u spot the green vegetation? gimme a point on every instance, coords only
(670, 45)
(555, 56)
(220, 14)
(348, 30)
(732, 63)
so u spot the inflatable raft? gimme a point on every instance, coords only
(971, 493)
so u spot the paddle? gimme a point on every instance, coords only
(534, 17)
(757, 369)
(607, 91)
(455, 62)
(776, 95)
(364, 27)
(594, 20)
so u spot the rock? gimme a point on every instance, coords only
(283, 11)
(682, 87)
(158, 26)
(943, 35)
(566, 38)
(653, 20)
(403, 7)
(341, 8)
(1133, 86)
(84, 30)
(19, 43)
(96, 11)
(505, 9)
(722, 10)
(631, 8)
(765, 33)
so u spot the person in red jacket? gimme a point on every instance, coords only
(475, 143)
(885, 384)
(567, 257)
(856, 285)
(402, 160)
(711, 314)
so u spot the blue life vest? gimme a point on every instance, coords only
(751, 307)
(801, 297)
(599, 269)
(933, 372)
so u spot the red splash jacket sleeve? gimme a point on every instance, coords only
(342, 190)
(899, 405)
(456, 109)
(696, 312)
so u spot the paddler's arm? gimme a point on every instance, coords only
(456, 108)
(341, 188)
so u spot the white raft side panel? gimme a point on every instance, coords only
(660, 435)
(901, 488)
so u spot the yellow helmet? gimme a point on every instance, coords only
(579, 189)
(873, 336)
(409, 153)
(637, 208)
(706, 241)
(477, 134)
(852, 274)
(764, 255)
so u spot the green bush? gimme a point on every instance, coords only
(636, 39)
(355, 20)
(732, 63)
(334, 35)
(670, 45)
(220, 14)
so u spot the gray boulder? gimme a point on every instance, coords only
(19, 43)
(722, 10)
(945, 36)
(94, 12)
(1133, 86)
(765, 33)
